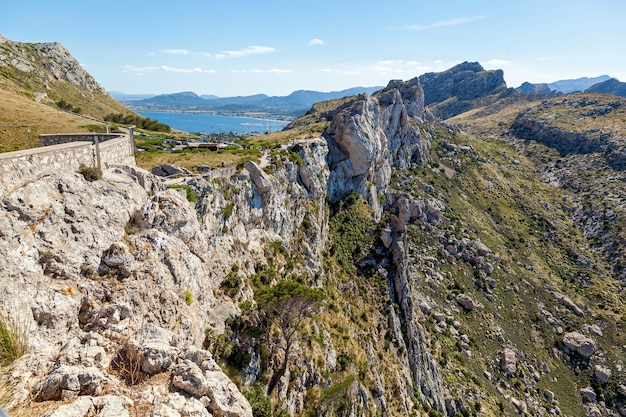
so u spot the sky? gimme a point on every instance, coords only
(231, 48)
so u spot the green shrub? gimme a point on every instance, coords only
(90, 173)
(188, 297)
(13, 340)
(191, 196)
(228, 210)
(351, 231)
(260, 403)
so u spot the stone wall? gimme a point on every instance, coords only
(59, 138)
(20, 167)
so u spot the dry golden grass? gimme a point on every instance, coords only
(19, 113)
(191, 160)
(494, 117)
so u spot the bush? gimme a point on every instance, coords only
(191, 196)
(188, 297)
(228, 210)
(13, 340)
(260, 403)
(90, 173)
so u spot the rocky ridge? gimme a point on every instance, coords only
(48, 72)
(461, 88)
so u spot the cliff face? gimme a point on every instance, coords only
(453, 280)
(462, 88)
(373, 135)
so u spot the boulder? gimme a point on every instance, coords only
(152, 347)
(166, 170)
(226, 399)
(580, 344)
(549, 396)
(567, 302)
(176, 405)
(602, 373)
(588, 394)
(117, 259)
(508, 362)
(66, 381)
(468, 303)
(188, 377)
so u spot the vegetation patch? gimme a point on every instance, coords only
(90, 173)
(351, 231)
(190, 194)
(13, 339)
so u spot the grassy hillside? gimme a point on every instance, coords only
(20, 113)
(34, 79)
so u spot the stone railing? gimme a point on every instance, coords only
(20, 167)
(59, 138)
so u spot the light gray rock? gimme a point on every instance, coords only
(602, 373)
(468, 303)
(167, 170)
(549, 396)
(578, 343)
(73, 379)
(508, 362)
(567, 302)
(595, 330)
(177, 405)
(589, 394)
(152, 347)
(188, 377)
(117, 259)
(81, 407)
(226, 399)
(521, 405)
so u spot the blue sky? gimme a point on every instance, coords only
(230, 48)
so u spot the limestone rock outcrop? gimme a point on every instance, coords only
(96, 275)
(374, 134)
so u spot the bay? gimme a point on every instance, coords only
(215, 123)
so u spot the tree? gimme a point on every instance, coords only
(285, 306)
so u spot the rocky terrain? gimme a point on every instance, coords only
(389, 265)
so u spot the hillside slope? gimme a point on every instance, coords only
(33, 79)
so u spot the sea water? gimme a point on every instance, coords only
(214, 123)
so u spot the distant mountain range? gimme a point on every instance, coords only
(601, 84)
(259, 105)
(300, 101)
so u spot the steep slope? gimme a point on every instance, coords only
(429, 272)
(47, 71)
(33, 79)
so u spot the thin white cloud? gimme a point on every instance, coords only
(341, 71)
(315, 41)
(438, 62)
(187, 70)
(165, 68)
(443, 23)
(251, 50)
(391, 62)
(138, 70)
(260, 71)
(496, 62)
(175, 51)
